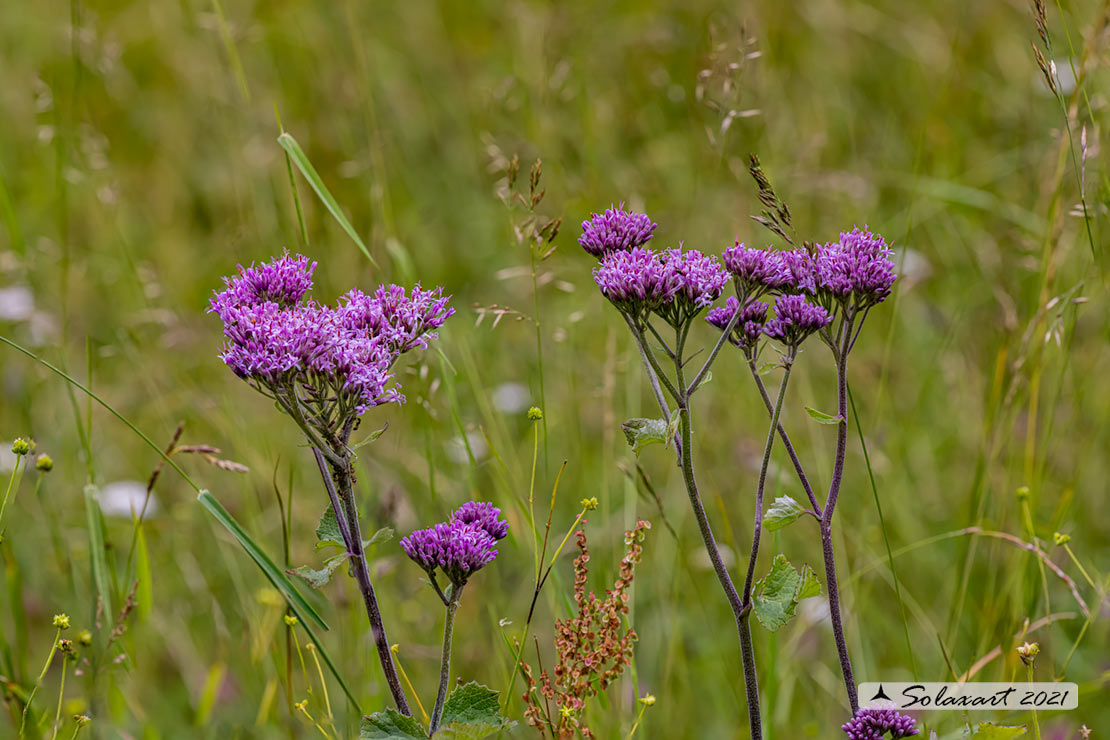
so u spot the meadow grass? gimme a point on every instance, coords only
(142, 160)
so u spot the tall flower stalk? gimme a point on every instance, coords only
(325, 366)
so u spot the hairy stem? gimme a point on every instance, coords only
(788, 362)
(445, 660)
(798, 469)
(346, 514)
(826, 528)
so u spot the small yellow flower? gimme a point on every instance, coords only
(290, 620)
(82, 719)
(1061, 539)
(310, 646)
(1022, 493)
(302, 706)
(395, 648)
(61, 621)
(1029, 652)
(21, 446)
(84, 637)
(648, 700)
(566, 711)
(535, 414)
(44, 464)
(589, 504)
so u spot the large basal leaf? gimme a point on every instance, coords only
(991, 731)
(390, 725)
(782, 512)
(776, 596)
(472, 711)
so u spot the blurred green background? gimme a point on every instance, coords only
(139, 163)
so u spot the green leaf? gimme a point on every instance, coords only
(370, 437)
(991, 731)
(782, 512)
(300, 607)
(327, 531)
(822, 418)
(639, 433)
(100, 575)
(808, 585)
(390, 725)
(318, 578)
(472, 711)
(290, 145)
(776, 595)
(382, 536)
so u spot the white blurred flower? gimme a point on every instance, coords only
(456, 449)
(120, 498)
(511, 398)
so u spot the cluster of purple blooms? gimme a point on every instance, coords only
(460, 546)
(852, 274)
(873, 724)
(285, 344)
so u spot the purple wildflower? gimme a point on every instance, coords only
(636, 281)
(456, 547)
(484, 515)
(284, 281)
(801, 272)
(701, 276)
(403, 322)
(859, 266)
(755, 271)
(749, 326)
(616, 230)
(795, 319)
(873, 724)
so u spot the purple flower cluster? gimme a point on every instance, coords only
(749, 326)
(676, 284)
(460, 546)
(857, 267)
(755, 271)
(873, 724)
(340, 355)
(616, 230)
(795, 319)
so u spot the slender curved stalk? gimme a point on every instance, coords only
(788, 363)
(342, 501)
(445, 660)
(826, 528)
(798, 469)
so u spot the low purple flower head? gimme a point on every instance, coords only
(873, 724)
(616, 230)
(748, 328)
(460, 546)
(637, 281)
(302, 352)
(755, 271)
(795, 319)
(858, 268)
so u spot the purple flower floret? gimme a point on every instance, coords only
(795, 319)
(755, 271)
(748, 328)
(460, 546)
(615, 230)
(316, 359)
(485, 515)
(636, 281)
(801, 277)
(857, 267)
(873, 724)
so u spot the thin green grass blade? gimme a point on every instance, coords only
(99, 561)
(293, 149)
(145, 593)
(297, 602)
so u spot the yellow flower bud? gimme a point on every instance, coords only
(61, 621)
(535, 414)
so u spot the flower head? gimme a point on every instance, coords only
(21, 446)
(616, 230)
(795, 319)
(755, 271)
(801, 277)
(61, 621)
(44, 463)
(700, 280)
(404, 322)
(637, 281)
(873, 724)
(748, 328)
(283, 281)
(460, 546)
(857, 267)
(483, 515)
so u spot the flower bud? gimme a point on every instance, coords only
(81, 719)
(61, 621)
(1022, 493)
(589, 504)
(535, 414)
(66, 646)
(1029, 652)
(21, 446)
(44, 464)
(84, 637)
(1061, 539)
(290, 620)
(648, 700)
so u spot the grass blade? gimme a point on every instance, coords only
(293, 149)
(297, 603)
(97, 557)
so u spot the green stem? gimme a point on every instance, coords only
(11, 484)
(61, 693)
(445, 660)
